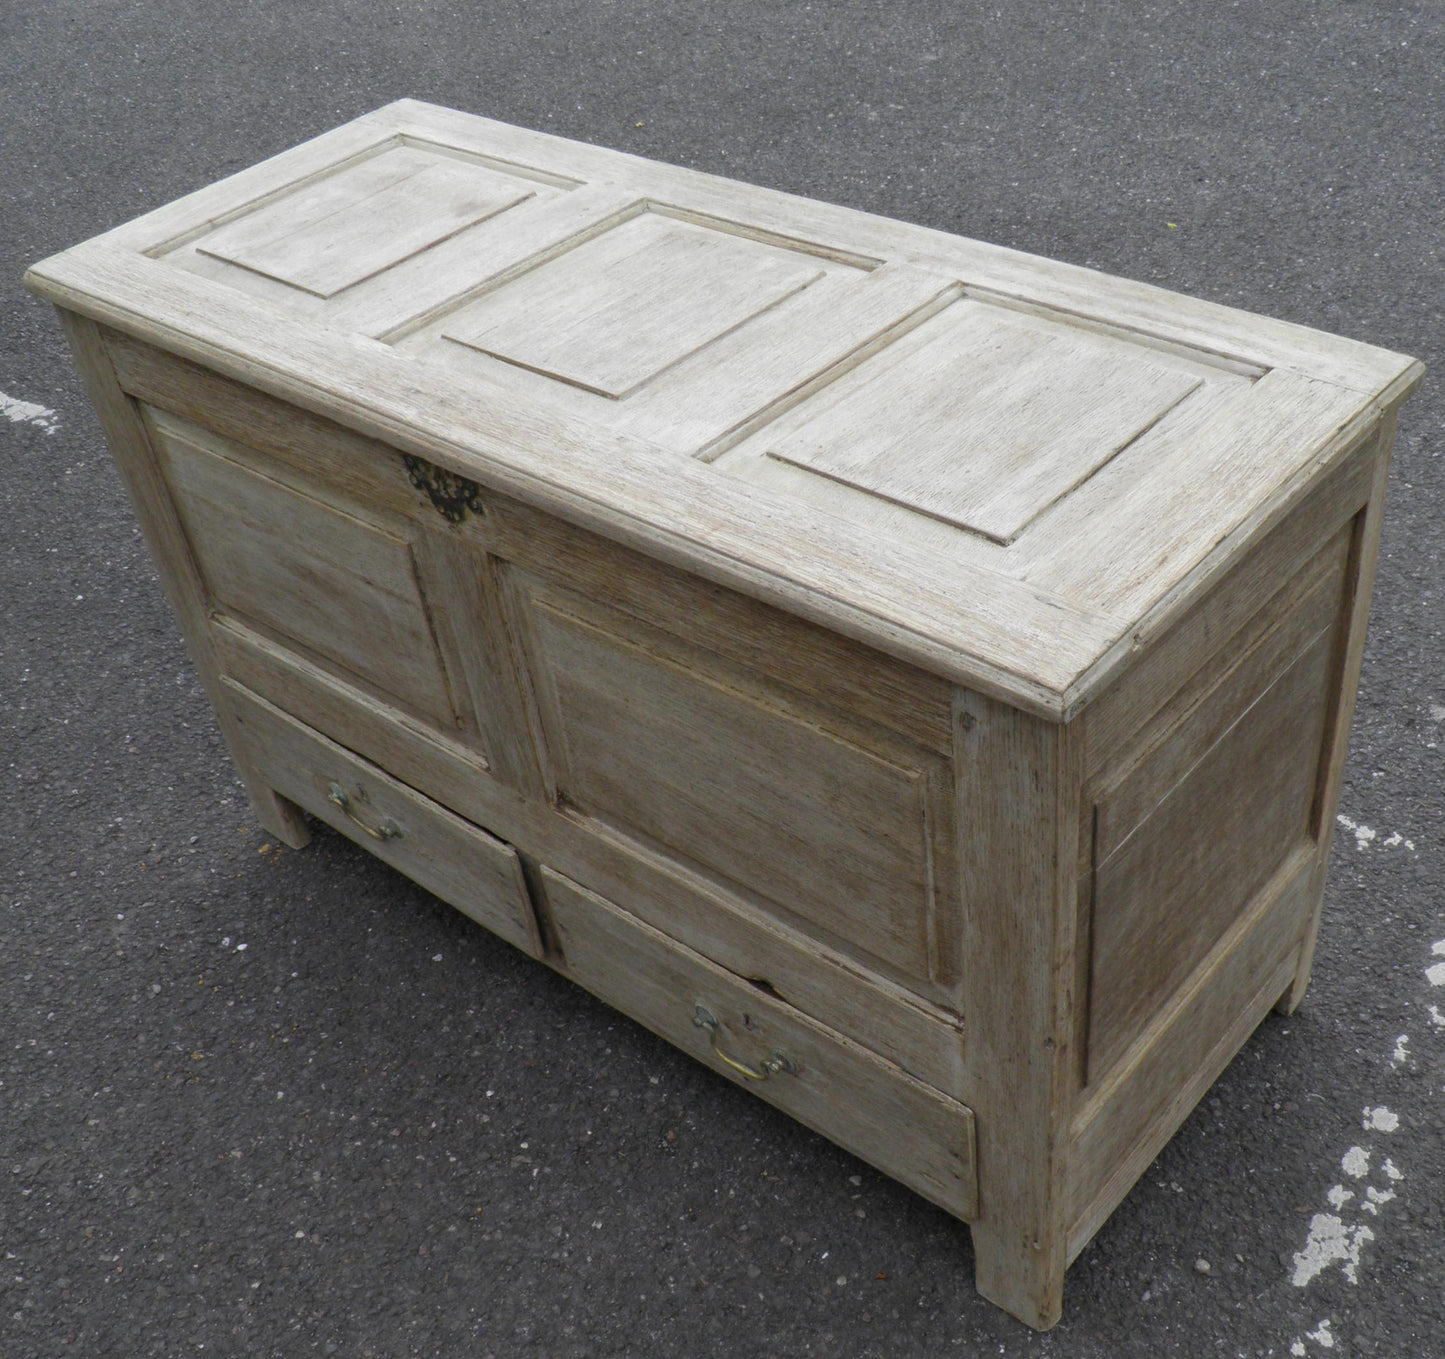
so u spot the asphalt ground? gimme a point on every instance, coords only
(266, 1103)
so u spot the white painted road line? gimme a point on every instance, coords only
(1334, 1239)
(1365, 836)
(28, 413)
(1321, 1335)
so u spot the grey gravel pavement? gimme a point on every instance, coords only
(254, 1102)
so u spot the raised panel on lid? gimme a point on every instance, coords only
(682, 331)
(363, 219)
(805, 818)
(617, 310)
(341, 588)
(888, 410)
(985, 416)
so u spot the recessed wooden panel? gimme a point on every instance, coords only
(363, 219)
(1122, 1124)
(834, 833)
(342, 588)
(986, 417)
(1169, 745)
(617, 310)
(1183, 875)
(763, 641)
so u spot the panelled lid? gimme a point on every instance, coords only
(991, 464)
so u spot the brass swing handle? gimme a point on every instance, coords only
(778, 1064)
(386, 830)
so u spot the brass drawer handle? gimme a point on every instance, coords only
(386, 830)
(777, 1064)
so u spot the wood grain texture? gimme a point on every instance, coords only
(1260, 578)
(767, 641)
(1121, 534)
(913, 603)
(424, 289)
(314, 456)
(464, 590)
(1210, 327)
(1273, 510)
(737, 781)
(884, 1016)
(874, 1110)
(1364, 558)
(1018, 812)
(352, 225)
(636, 317)
(1169, 746)
(351, 716)
(786, 354)
(130, 444)
(1128, 1117)
(621, 307)
(997, 417)
(1171, 889)
(343, 588)
(459, 862)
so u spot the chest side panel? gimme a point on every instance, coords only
(1206, 767)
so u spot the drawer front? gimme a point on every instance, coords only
(826, 1081)
(478, 874)
(925, 1040)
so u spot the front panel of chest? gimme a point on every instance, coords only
(751, 773)
(329, 591)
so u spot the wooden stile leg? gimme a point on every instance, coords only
(279, 815)
(130, 446)
(1020, 1275)
(1366, 552)
(1019, 884)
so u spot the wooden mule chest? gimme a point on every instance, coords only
(911, 676)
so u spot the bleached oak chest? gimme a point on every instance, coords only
(911, 676)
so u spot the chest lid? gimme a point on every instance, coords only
(993, 465)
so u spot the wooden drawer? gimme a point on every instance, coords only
(833, 1085)
(924, 1039)
(478, 874)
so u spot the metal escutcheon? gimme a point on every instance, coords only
(776, 1065)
